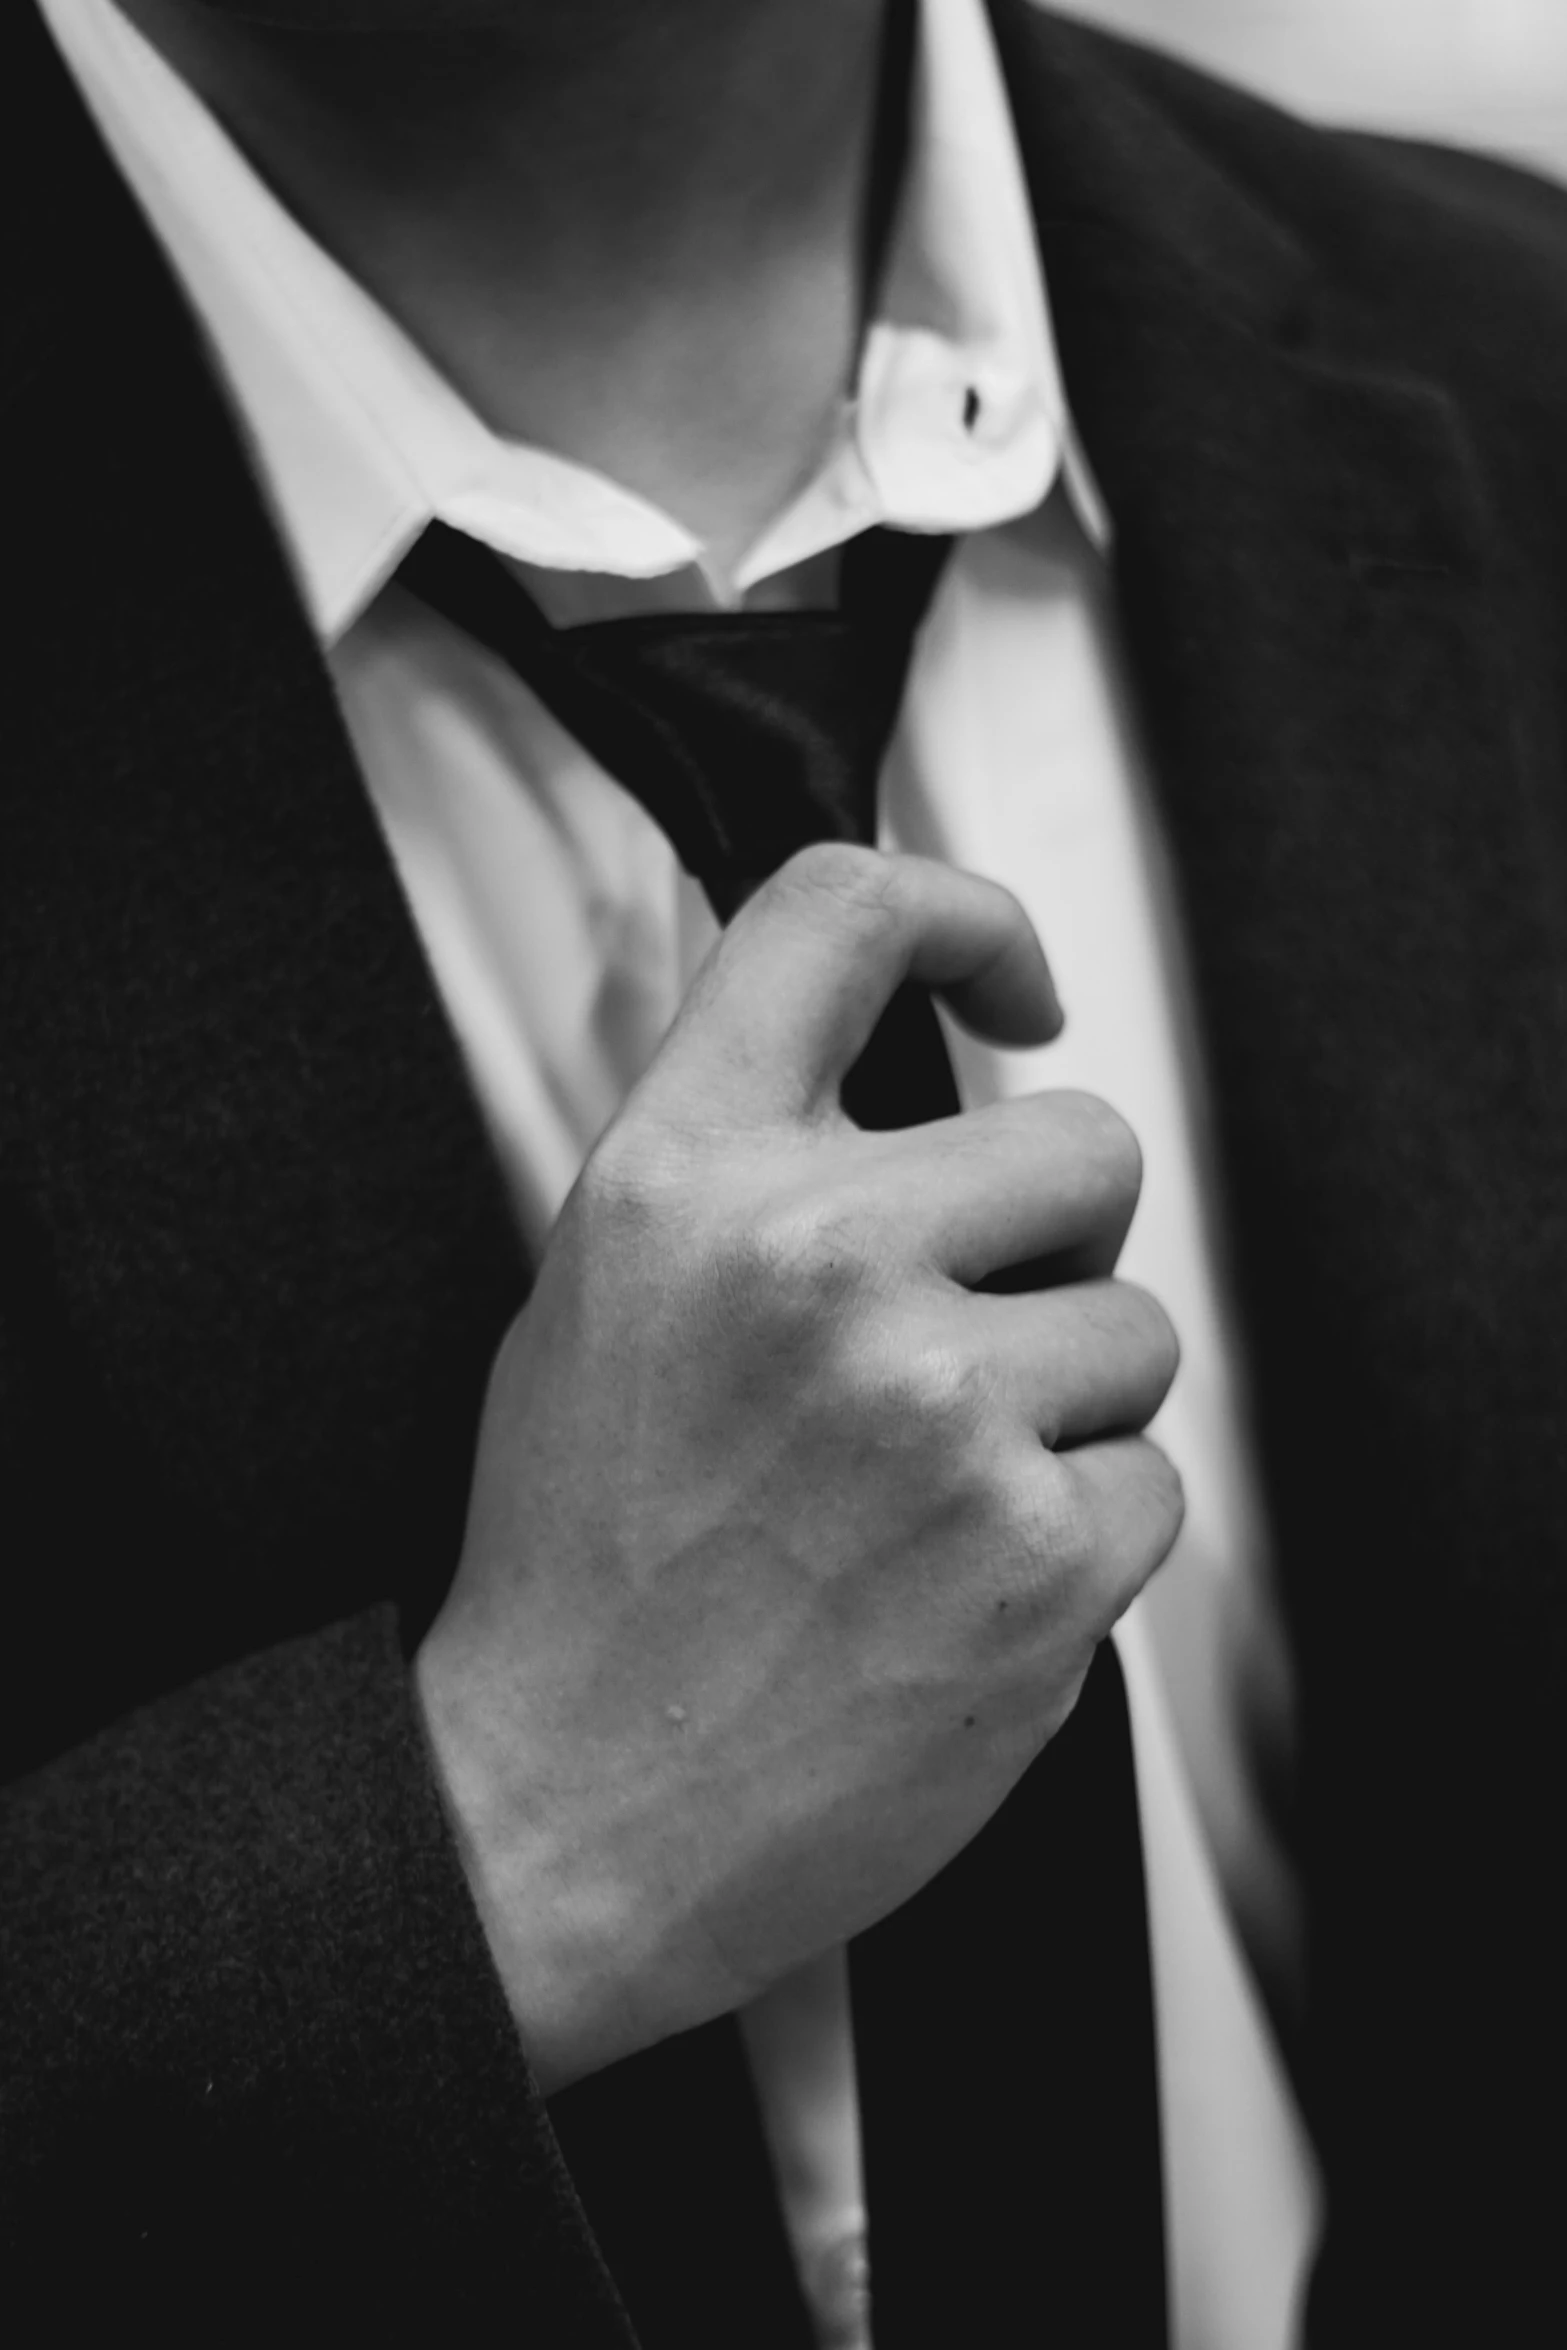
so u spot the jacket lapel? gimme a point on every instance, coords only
(271, 1217)
(272, 1220)
(1360, 775)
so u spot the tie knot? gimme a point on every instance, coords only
(746, 736)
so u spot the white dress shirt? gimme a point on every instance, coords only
(562, 933)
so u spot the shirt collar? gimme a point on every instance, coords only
(958, 421)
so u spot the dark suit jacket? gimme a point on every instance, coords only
(255, 1256)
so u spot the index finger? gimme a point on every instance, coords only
(784, 1006)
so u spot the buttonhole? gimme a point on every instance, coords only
(970, 409)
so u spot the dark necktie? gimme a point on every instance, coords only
(1003, 2017)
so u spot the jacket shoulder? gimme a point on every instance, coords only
(1448, 258)
(1315, 167)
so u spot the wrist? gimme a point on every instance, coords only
(586, 1979)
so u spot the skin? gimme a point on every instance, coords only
(789, 1547)
(639, 235)
(789, 1543)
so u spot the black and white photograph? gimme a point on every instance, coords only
(783, 1174)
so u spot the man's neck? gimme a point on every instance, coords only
(640, 236)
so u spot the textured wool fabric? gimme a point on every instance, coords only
(255, 1257)
(287, 2083)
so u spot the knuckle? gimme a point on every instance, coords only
(1166, 1498)
(858, 881)
(1152, 1332)
(1141, 1532)
(1108, 1145)
(803, 1267)
(930, 1390)
(1059, 1530)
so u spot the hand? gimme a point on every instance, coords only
(788, 1546)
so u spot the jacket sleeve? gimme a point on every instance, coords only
(253, 2053)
